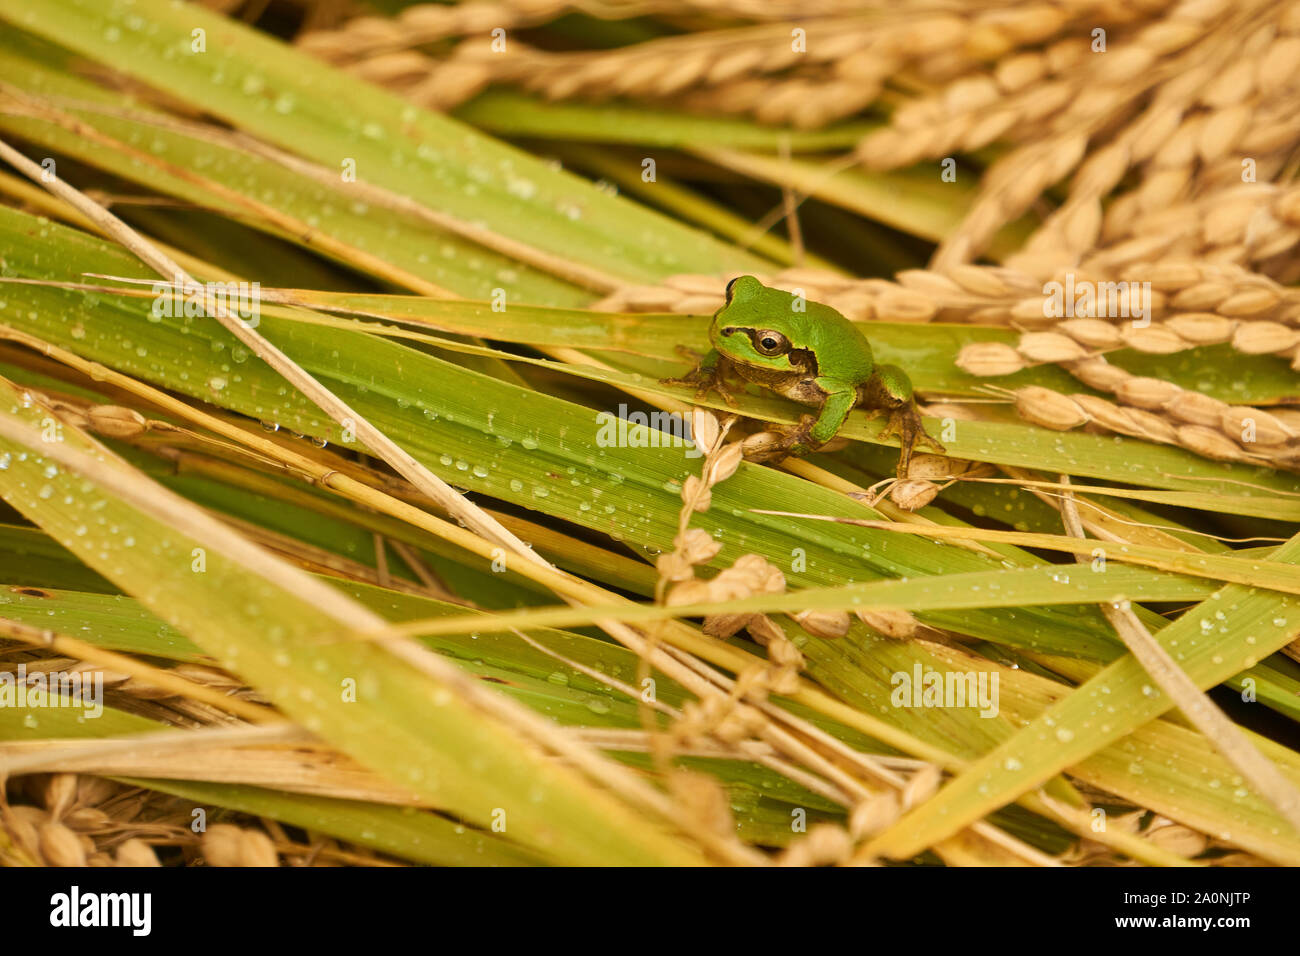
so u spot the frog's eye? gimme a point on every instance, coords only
(771, 343)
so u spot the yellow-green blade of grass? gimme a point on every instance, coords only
(510, 113)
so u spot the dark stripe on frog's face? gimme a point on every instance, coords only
(743, 344)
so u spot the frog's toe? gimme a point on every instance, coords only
(905, 423)
(929, 441)
(776, 446)
(724, 393)
(686, 382)
(690, 378)
(900, 424)
(703, 382)
(801, 437)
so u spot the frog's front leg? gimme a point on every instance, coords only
(890, 389)
(708, 376)
(835, 409)
(811, 433)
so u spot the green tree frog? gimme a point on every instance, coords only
(810, 354)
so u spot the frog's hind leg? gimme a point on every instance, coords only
(905, 423)
(891, 390)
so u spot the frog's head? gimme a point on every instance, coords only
(756, 326)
